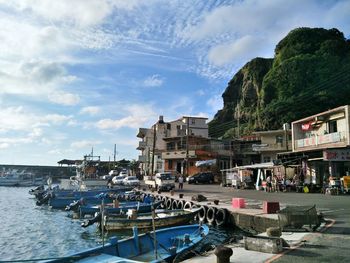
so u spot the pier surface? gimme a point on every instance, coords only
(330, 245)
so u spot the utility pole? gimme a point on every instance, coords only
(187, 142)
(153, 148)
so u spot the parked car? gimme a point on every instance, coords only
(131, 181)
(124, 173)
(113, 172)
(119, 179)
(205, 177)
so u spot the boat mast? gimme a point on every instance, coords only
(154, 232)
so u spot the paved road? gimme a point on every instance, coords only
(329, 246)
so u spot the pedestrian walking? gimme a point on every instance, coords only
(181, 182)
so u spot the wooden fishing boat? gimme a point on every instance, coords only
(165, 218)
(63, 202)
(123, 207)
(159, 246)
(162, 218)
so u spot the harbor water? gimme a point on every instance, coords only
(28, 231)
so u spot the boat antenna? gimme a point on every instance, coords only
(154, 231)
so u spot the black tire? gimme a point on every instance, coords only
(211, 212)
(187, 205)
(174, 204)
(180, 204)
(168, 203)
(221, 217)
(202, 214)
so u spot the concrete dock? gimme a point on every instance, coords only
(328, 245)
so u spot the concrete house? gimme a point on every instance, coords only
(324, 140)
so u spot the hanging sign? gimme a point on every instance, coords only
(338, 155)
(306, 126)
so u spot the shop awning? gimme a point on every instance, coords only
(205, 163)
(251, 166)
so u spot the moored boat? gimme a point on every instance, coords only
(162, 218)
(159, 246)
(15, 178)
(140, 207)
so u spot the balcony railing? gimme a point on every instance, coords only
(320, 140)
(142, 145)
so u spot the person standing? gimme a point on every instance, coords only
(181, 182)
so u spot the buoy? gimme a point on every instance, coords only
(202, 214)
(220, 217)
(174, 204)
(211, 215)
(187, 205)
(180, 204)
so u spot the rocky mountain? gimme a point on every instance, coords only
(309, 73)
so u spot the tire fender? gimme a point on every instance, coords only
(211, 212)
(221, 217)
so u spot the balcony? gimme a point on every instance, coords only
(142, 146)
(322, 141)
(178, 154)
(278, 147)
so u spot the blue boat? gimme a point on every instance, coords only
(63, 202)
(163, 245)
(144, 207)
(91, 192)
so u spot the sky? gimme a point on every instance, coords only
(83, 74)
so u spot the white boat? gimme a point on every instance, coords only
(15, 178)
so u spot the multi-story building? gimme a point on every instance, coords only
(272, 143)
(324, 141)
(157, 138)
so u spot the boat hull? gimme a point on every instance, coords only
(170, 243)
(123, 207)
(144, 221)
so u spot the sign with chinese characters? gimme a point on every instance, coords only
(339, 155)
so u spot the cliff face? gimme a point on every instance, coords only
(310, 73)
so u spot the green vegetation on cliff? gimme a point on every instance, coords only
(310, 73)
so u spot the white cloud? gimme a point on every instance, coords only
(15, 119)
(57, 118)
(4, 145)
(63, 98)
(78, 12)
(91, 110)
(215, 103)
(243, 49)
(153, 81)
(84, 143)
(135, 116)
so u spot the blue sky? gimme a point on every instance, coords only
(77, 74)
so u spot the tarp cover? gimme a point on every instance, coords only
(205, 163)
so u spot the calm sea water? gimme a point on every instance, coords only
(28, 231)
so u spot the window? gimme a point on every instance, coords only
(170, 146)
(170, 164)
(332, 126)
(193, 121)
(267, 159)
(279, 139)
